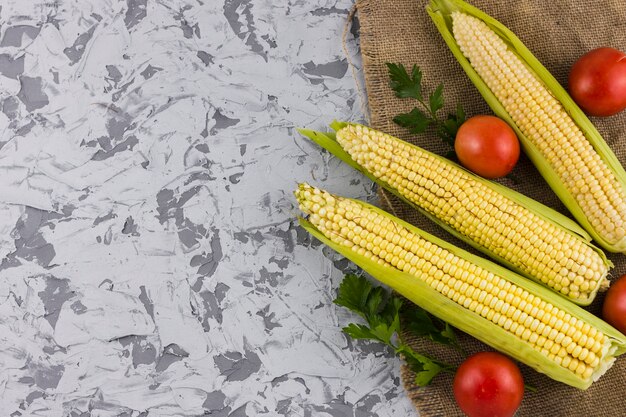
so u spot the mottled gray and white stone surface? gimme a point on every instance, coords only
(151, 260)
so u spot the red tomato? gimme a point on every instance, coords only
(488, 384)
(614, 307)
(487, 146)
(597, 82)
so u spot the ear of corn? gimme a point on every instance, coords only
(491, 303)
(513, 229)
(557, 136)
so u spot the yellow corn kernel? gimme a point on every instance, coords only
(466, 292)
(479, 212)
(547, 125)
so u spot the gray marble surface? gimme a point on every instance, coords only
(151, 261)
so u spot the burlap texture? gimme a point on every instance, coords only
(557, 32)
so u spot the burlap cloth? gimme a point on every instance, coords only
(557, 32)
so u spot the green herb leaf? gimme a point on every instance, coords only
(353, 293)
(381, 311)
(424, 367)
(426, 375)
(359, 331)
(385, 332)
(449, 336)
(405, 85)
(375, 302)
(420, 323)
(436, 99)
(391, 312)
(423, 324)
(416, 120)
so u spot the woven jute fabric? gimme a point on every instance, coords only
(557, 32)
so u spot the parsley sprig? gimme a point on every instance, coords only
(381, 312)
(427, 114)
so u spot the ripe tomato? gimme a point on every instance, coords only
(487, 146)
(614, 307)
(488, 384)
(597, 82)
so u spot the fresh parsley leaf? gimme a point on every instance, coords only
(420, 323)
(357, 294)
(425, 376)
(391, 311)
(375, 302)
(353, 293)
(359, 331)
(436, 99)
(416, 120)
(424, 325)
(449, 336)
(449, 127)
(424, 367)
(425, 114)
(381, 332)
(385, 331)
(381, 312)
(405, 85)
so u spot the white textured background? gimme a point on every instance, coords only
(151, 261)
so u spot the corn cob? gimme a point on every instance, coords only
(521, 233)
(489, 302)
(557, 136)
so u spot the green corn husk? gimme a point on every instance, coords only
(418, 291)
(440, 12)
(329, 142)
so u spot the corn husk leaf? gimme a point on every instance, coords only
(484, 330)
(329, 142)
(440, 12)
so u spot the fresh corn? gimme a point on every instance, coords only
(556, 135)
(493, 304)
(511, 228)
